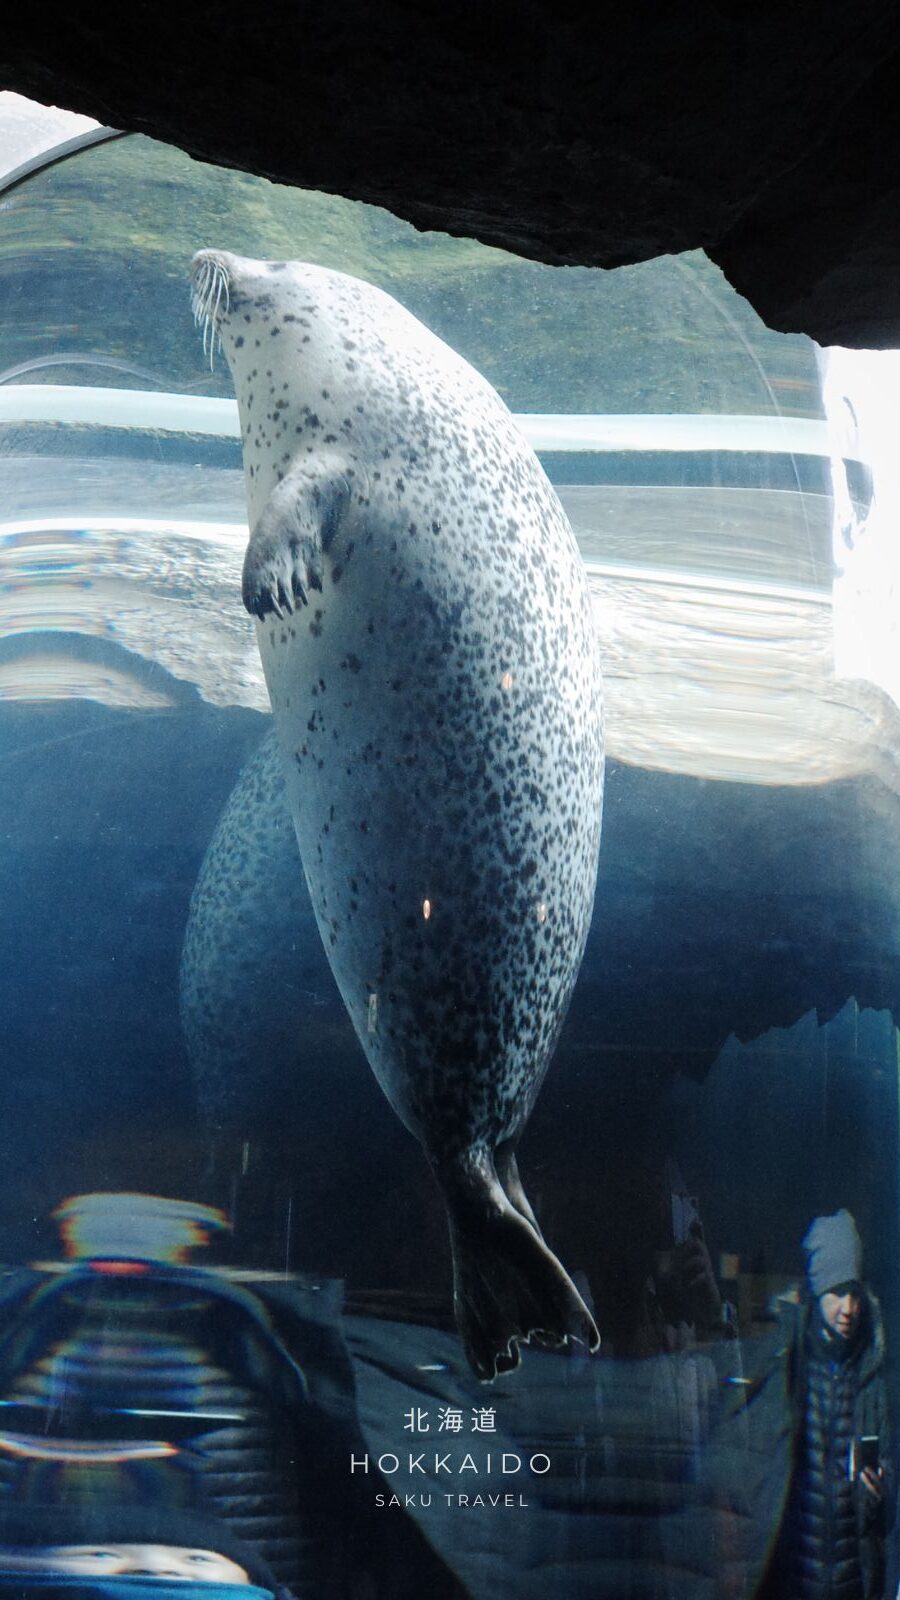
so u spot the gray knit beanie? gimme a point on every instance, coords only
(833, 1252)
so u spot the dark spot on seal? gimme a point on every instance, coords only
(352, 663)
(239, 341)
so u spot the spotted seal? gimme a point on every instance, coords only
(426, 635)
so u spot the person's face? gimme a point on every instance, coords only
(841, 1308)
(127, 1560)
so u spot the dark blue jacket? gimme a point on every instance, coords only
(812, 1534)
(829, 1515)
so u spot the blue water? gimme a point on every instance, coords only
(730, 1057)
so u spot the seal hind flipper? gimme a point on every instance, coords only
(508, 1287)
(284, 558)
(508, 1173)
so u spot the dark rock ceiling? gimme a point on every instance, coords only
(765, 133)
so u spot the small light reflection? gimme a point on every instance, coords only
(193, 1416)
(95, 1451)
(372, 1016)
(506, 682)
(541, 911)
(426, 909)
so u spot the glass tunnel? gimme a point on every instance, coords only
(229, 1350)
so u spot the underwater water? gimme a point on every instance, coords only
(228, 1287)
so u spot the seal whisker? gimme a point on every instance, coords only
(210, 290)
(214, 321)
(209, 329)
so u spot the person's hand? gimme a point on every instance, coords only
(698, 1278)
(873, 1481)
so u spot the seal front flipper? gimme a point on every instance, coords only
(284, 558)
(507, 1286)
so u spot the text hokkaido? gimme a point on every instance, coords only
(508, 1462)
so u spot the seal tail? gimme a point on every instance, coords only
(508, 1287)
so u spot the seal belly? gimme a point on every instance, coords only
(448, 827)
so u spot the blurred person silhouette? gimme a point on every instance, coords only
(681, 1306)
(129, 1375)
